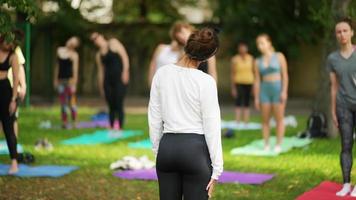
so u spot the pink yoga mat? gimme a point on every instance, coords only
(226, 177)
(325, 191)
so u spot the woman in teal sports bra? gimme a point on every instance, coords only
(271, 89)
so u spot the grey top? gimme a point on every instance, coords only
(345, 70)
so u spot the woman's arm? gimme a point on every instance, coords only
(232, 77)
(153, 64)
(15, 75)
(22, 82)
(256, 85)
(333, 92)
(155, 120)
(285, 79)
(212, 125)
(120, 49)
(55, 74)
(75, 59)
(100, 67)
(212, 68)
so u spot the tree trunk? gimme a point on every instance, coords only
(339, 8)
(143, 10)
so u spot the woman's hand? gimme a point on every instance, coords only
(334, 118)
(257, 104)
(233, 93)
(22, 93)
(210, 187)
(55, 84)
(12, 107)
(284, 97)
(125, 78)
(73, 89)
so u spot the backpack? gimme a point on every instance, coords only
(26, 158)
(316, 126)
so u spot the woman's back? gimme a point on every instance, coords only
(181, 96)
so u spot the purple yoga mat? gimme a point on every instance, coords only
(93, 124)
(226, 177)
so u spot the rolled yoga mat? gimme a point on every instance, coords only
(54, 171)
(325, 191)
(255, 148)
(142, 144)
(226, 177)
(5, 151)
(93, 124)
(101, 137)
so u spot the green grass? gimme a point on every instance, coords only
(296, 171)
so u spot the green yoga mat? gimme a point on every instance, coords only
(142, 144)
(100, 137)
(255, 148)
(5, 150)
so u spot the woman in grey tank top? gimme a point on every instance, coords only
(341, 65)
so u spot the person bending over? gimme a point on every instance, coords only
(66, 79)
(113, 75)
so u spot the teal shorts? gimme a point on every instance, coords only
(270, 92)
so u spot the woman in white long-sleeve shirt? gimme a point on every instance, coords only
(184, 122)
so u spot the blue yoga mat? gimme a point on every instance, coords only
(142, 144)
(39, 171)
(100, 137)
(5, 151)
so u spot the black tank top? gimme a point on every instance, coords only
(112, 66)
(65, 68)
(5, 66)
(203, 66)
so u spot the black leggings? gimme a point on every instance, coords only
(347, 121)
(183, 167)
(115, 93)
(6, 119)
(243, 95)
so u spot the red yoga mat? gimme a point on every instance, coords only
(325, 191)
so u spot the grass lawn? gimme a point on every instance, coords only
(297, 171)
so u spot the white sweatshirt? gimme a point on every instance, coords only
(185, 100)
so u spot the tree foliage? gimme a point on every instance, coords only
(287, 22)
(9, 9)
(153, 11)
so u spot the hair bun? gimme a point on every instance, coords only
(202, 44)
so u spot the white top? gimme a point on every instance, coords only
(185, 100)
(166, 56)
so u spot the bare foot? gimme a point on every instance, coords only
(14, 168)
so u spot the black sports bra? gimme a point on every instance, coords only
(65, 68)
(5, 66)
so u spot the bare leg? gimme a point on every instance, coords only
(266, 116)
(238, 114)
(246, 114)
(278, 111)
